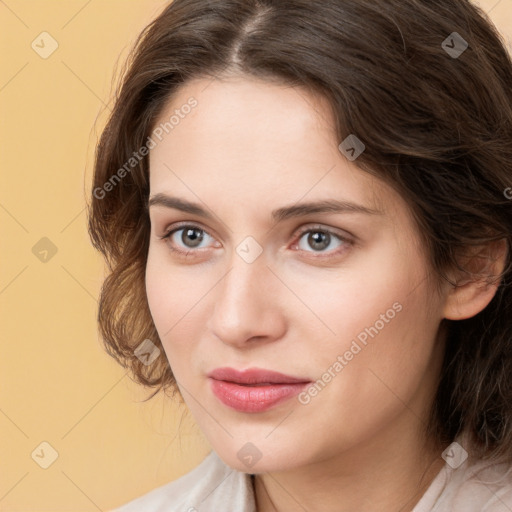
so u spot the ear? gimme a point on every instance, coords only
(471, 295)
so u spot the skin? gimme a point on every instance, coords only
(247, 148)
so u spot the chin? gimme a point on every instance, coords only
(251, 457)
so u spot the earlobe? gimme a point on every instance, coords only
(473, 294)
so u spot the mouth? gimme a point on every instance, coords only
(254, 390)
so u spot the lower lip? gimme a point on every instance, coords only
(254, 398)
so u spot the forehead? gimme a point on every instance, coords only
(251, 140)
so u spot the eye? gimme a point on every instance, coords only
(188, 237)
(322, 240)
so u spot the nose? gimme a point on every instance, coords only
(247, 309)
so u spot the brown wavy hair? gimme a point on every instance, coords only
(436, 126)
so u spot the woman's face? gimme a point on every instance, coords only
(285, 257)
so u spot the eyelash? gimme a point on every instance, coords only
(309, 229)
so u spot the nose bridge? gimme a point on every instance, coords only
(244, 305)
(242, 285)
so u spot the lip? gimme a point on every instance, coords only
(254, 389)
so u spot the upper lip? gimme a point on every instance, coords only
(254, 376)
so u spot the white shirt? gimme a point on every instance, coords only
(215, 487)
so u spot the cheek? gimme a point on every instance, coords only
(166, 296)
(349, 300)
(176, 298)
(157, 281)
(171, 290)
(383, 323)
(387, 357)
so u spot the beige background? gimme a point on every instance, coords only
(57, 384)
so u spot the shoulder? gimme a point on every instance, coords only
(482, 486)
(207, 487)
(488, 486)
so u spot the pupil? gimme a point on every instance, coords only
(192, 234)
(319, 240)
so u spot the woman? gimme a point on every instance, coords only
(304, 209)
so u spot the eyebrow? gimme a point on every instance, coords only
(281, 214)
